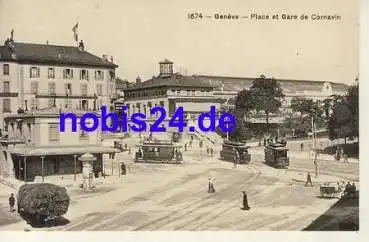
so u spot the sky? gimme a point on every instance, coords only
(140, 33)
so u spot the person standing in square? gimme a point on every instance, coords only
(11, 203)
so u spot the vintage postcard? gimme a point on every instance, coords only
(179, 115)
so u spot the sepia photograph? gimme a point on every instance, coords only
(179, 115)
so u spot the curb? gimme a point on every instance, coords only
(7, 183)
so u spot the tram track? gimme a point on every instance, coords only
(153, 193)
(222, 205)
(253, 199)
(165, 220)
(194, 207)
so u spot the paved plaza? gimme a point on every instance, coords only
(175, 197)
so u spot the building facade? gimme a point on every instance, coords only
(34, 146)
(170, 90)
(228, 87)
(36, 76)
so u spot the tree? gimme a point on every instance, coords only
(340, 123)
(327, 107)
(352, 98)
(244, 102)
(264, 95)
(302, 105)
(240, 130)
(344, 121)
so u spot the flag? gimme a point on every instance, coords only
(75, 31)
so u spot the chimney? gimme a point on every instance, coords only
(105, 57)
(111, 59)
(81, 46)
(138, 80)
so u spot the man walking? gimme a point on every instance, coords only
(245, 201)
(11, 203)
(124, 169)
(308, 180)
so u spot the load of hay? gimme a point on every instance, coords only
(42, 201)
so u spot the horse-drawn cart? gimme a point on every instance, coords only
(330, 190)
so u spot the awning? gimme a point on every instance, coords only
(64, 150)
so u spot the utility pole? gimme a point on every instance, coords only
(313, 127)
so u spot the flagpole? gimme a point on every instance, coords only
(77, 29)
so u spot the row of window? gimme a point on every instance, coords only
(150, 93)
(67, 88)
(35, 104)
(54, 134)
(145, 108)
(187, 92)
(68, 73)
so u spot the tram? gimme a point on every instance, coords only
(227, 152)
(159, 151)
(276, 155)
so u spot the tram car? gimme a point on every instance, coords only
(276, 155)
(159, 151)
(227, 152)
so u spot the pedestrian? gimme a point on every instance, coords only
(245, 201)
(302, 146)
(234, 158)
(207, 150)
(259, 144)
(191, 142)
(211, 186)
(185, 146)
(265, 142)
(124, 169)
(211, 151)
(353, 190)
(11, 203)
(339, 186)
(338, 154)
(345, 158)
(348, 189)
(308, 180)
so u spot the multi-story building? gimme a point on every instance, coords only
(34, 76)
(170, 90)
